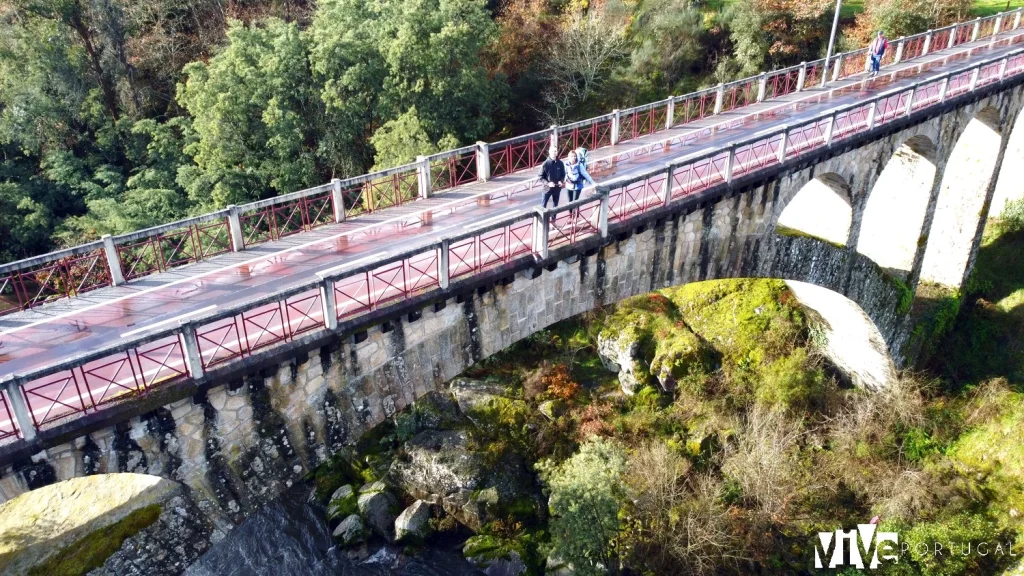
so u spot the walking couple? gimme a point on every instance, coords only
(570, 174)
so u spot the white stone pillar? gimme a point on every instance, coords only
(423, 176)
(730, 163)
(784, 143)
(829, 129)
(1002, 67)
(602, 215)
(541, 229)
(483, 161)
(977, 28)
(338, 200)
(666, 190)
(762, 87)
(927, 42)
(837, 67)
(235, 229)
(802, 77)
(974, 79)
(871, 115)
(113, 261)
(1016, 18)
(942, 89)
(553, 147)
(952, 37)
(19, 407)
(899, 52)
(670, 112)
(443, 274)
(193, 359)
(329, 302)
(719, 98)
(910, 102)
(616, 120)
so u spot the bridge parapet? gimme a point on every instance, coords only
(214, 344)
(67, 273)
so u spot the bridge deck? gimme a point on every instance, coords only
(59, 330)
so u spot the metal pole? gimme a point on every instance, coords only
(832, 38)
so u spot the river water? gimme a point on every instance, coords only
(290, 537)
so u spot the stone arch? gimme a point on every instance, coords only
(965, 183)
(821, 209)
(1010, 182)
(895, 210)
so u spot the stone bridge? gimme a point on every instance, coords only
(861, 217)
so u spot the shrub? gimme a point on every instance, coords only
(763, 461)
(559, 384)
(954, 534)
(586, 496)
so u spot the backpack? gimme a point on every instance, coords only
(581, 156)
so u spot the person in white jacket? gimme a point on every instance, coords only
(576, 175)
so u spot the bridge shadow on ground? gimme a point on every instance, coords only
(987, 339)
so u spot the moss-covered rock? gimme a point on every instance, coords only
(342, 503)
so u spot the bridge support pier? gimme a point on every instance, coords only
(113, 262)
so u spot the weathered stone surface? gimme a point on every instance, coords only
(441, 466)
(350, 531)
(342, 503)
(618, 354)
(379, 509)
(414, 522)
(511, 565)
(474, 396)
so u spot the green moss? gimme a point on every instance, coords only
(935, 311)
(906, 294)
(90, 552)
(794, 233)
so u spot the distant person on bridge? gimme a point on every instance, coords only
(552, 172)
(576, 173)
(876, 51)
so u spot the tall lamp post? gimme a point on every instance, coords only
(832, 41)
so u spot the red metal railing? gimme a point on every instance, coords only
(489, 248)
(517, 156)
(280, 220)
(572, 225)
(757, 155)
(166, 250)
(913, 48)
(695, 107)
(8, 425)
(379, 193)
(783, 83)
(643, 122)
(112, 378)
(590, 136)
(740, 94)
(370, 289)
(636, 198)
(58, 279)
(452, 171)
(699, 175)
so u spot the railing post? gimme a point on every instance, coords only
(1002, 68)
(670, 112)
(829, 129)
(784, 143)
(719, 98)
(952, 37)
(927, 43)
(910, 101)
(974, 79)
(942, 89)
(339, 201)
(729, 164)
(602, 215)
(20, 408)
(838, 67)
(541, 231)
(553, 148)
(871, 115)
(666, 190)
(113, 261)
(483, 161)
(616, 120)
(443, 274)
(235, 229)
(762, 87)
(423, 176)
(977, 28)
(328, 299)
(193, 360)
(899, 51)
(1016, 18)
(996, 28)
(802, 77)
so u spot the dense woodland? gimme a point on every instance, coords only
(120, 114)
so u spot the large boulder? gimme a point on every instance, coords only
(619, 353)
(414, 522)
(379, 508)
(342, 503)
(350, 531)
(476, 397)
(494, 556)
(443, 467)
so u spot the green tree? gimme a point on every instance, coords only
(667, 37)
(587, 492)
(401, 140)
(256, 114)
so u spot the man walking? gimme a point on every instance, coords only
(553, 173)
(876, 51)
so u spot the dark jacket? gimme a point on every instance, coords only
(553, 170)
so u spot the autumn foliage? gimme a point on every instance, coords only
(560, 384)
